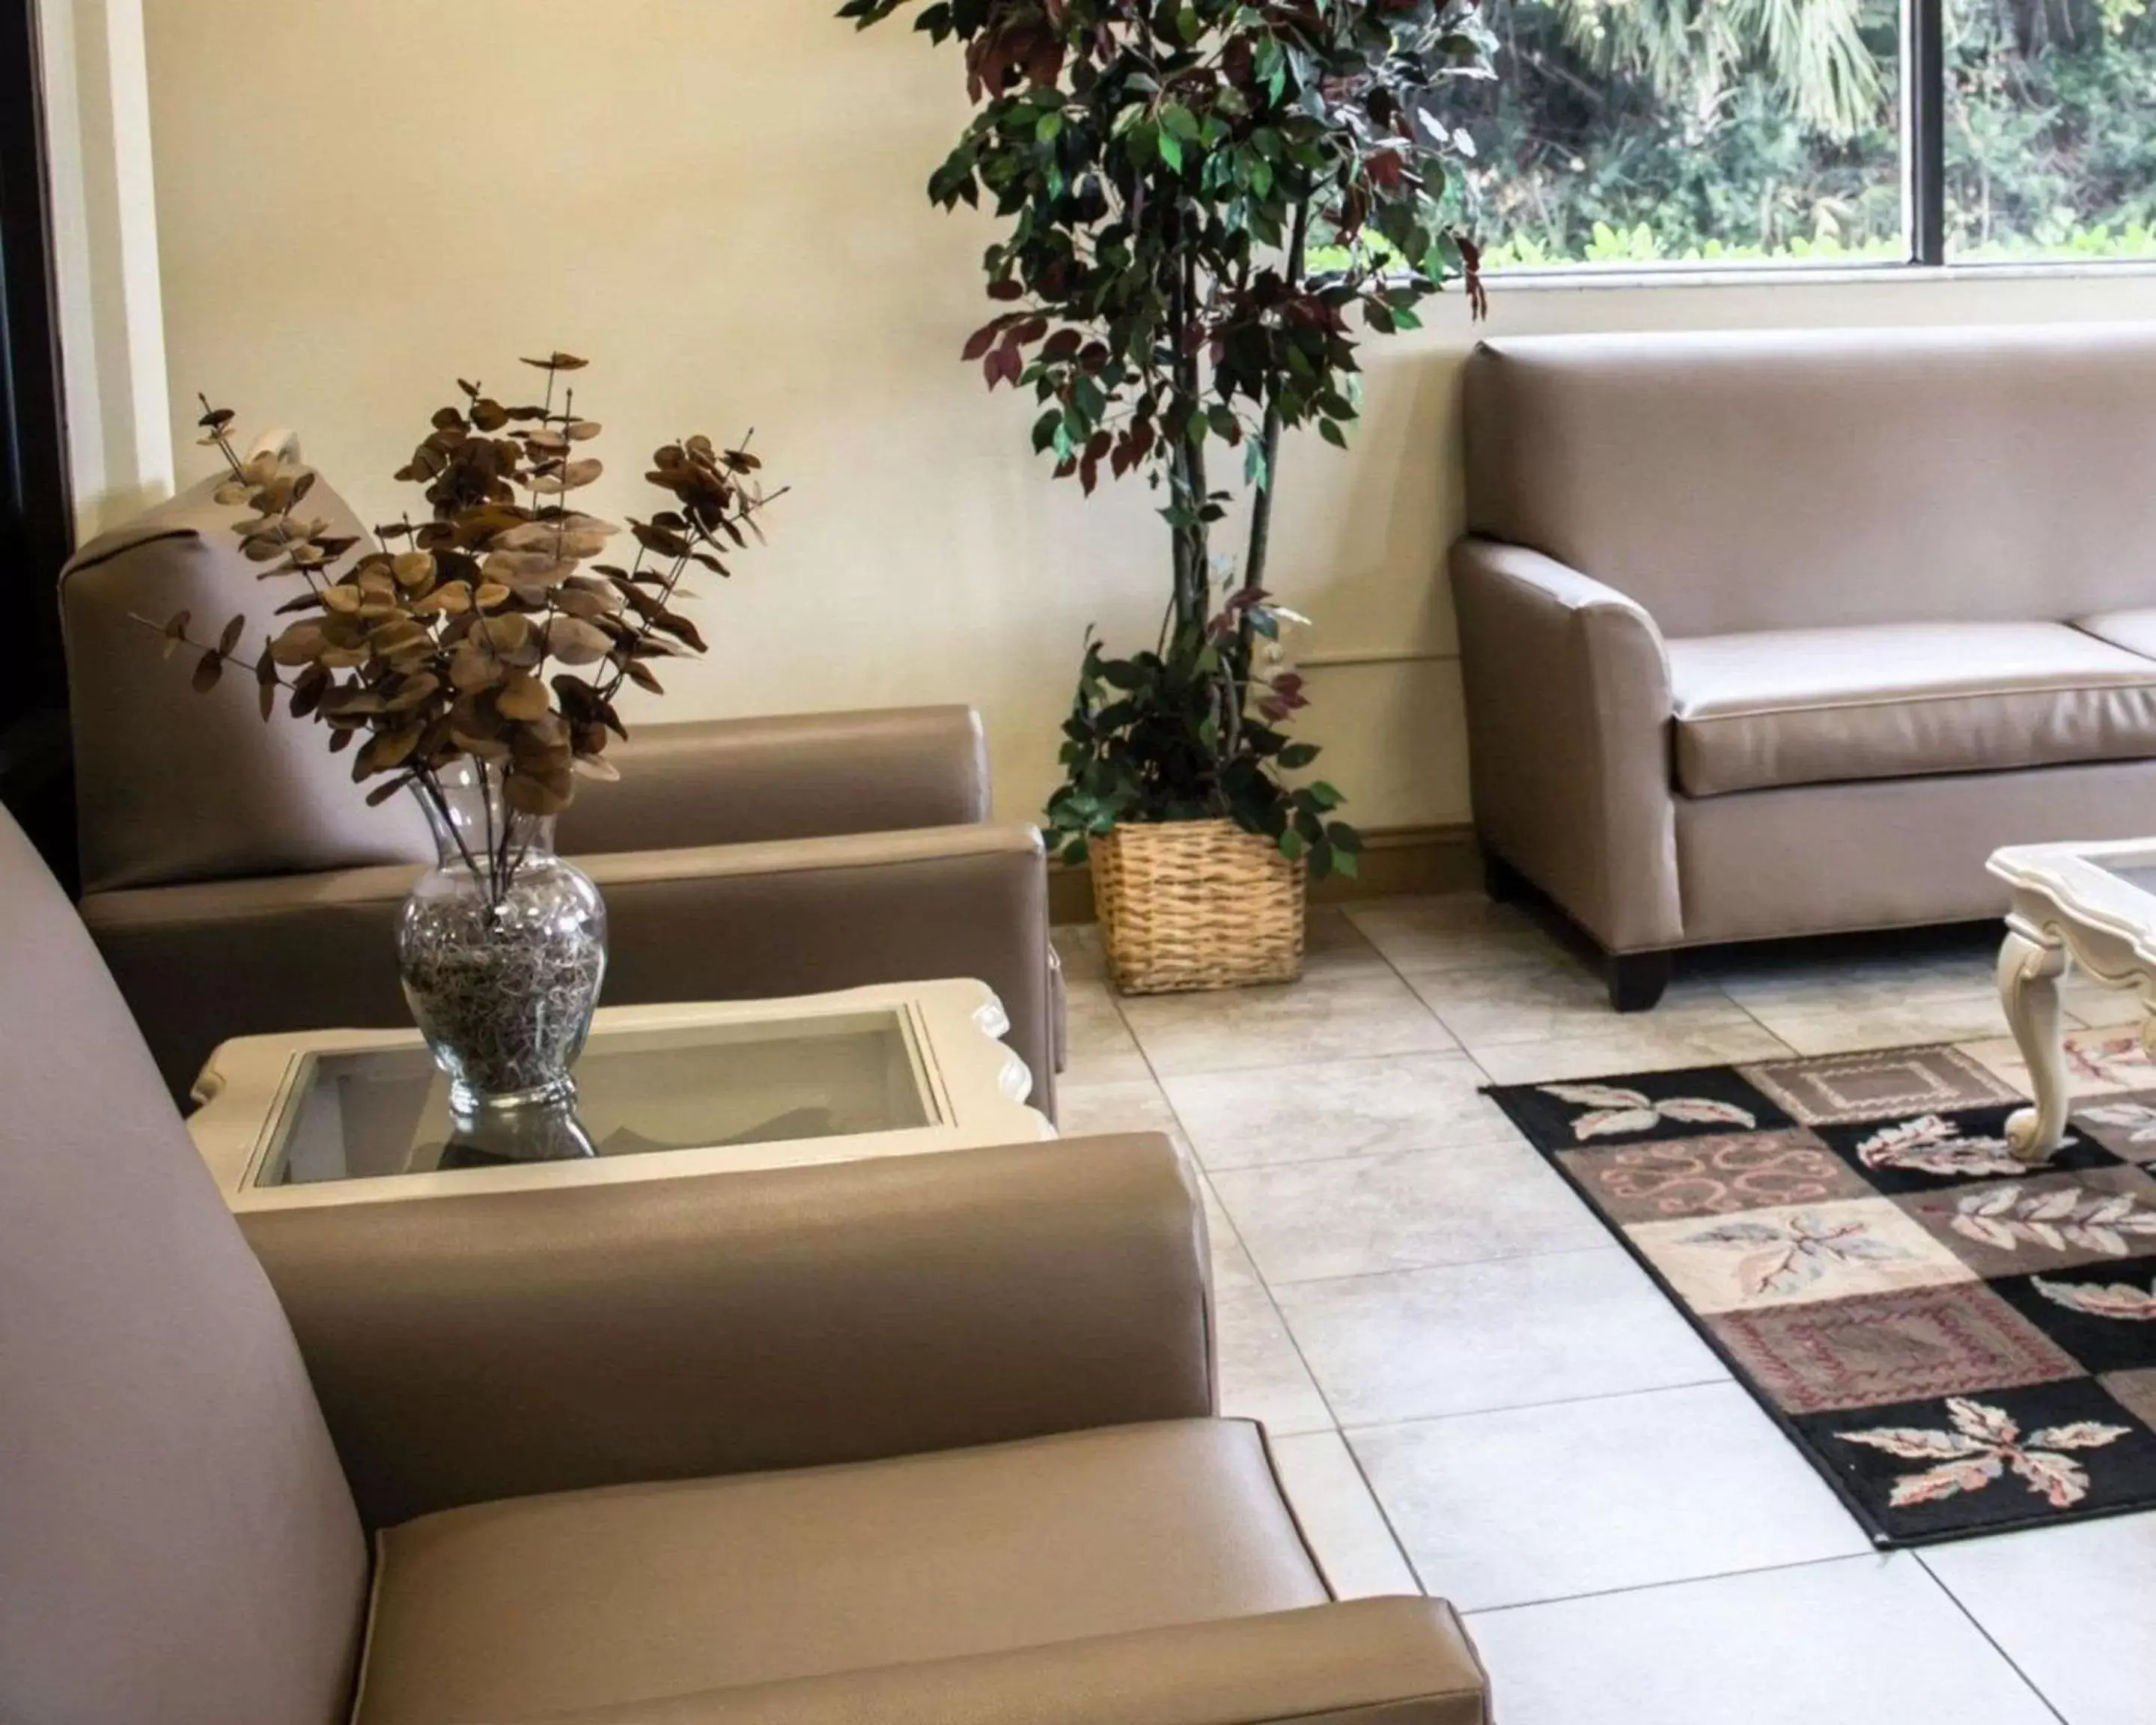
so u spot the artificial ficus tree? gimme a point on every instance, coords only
(1209, 201)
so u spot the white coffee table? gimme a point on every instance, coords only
(344, 1116)
(2093, 905)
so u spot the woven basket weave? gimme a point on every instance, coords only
(1196, 904)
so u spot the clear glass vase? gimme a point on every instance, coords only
(502, 947)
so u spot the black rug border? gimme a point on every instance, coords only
(1874, 1530)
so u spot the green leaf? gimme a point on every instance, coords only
(1291, 844)
(1171, 151)
(1297, 754)
(1330, 430)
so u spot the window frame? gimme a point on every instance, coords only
(1924, 131)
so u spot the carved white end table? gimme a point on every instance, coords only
(2093, 905)
(345, 1116)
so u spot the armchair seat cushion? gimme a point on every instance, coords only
(1894, 700)
(538, 1606)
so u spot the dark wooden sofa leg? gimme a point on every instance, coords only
(1637, 979)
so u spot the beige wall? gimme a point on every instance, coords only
(720, 203)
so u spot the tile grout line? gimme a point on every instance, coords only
(1313, 1281)
(1266, 1287)
(1306, 1281)
(1766, 1028)
(1399, 976)
(1384, 1515)
(1977, 1623)
(1559, 1401)
(1649, 1587)
(1259, 1167)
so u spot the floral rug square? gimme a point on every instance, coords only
(1959, 1343)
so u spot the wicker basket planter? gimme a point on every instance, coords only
(1196, 904)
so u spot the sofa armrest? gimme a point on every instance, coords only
(1569, 715)
(750, 780)
(201, 963)
(497, 1344)
(1393, 1661)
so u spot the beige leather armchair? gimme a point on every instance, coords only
(236, 883)
(926, 1438)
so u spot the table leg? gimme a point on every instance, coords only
(2028, 973)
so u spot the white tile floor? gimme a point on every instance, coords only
(1468, 1384)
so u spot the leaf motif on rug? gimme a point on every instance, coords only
(1795, 1254)
(2139, 1117)
(2106, 1059)
(1981, 1443)
(2009, 1219)
(2118, 1298)
(1929, 1145)
(1617, 1109)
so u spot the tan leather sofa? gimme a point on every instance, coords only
(236, 882)
(923, 1441)
(1779, 634)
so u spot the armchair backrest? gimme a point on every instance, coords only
(177, 1544)
(175, 786)
(1777, 478)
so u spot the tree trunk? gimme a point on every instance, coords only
(1190, 454)
(1261, 505)
(1186, 461)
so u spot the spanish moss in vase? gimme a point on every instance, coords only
(475, 658)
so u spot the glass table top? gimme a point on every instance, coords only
(2141, 876)
(364, 1115)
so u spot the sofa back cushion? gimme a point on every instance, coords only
(175, 786)
(178, 1545)
(1779, 480)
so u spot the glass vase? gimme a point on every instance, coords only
(501, 945)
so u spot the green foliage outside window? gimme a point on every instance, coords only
(1635, 132)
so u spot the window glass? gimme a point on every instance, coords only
(2051, 129)
(1674, 132)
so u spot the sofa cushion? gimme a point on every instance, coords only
(543, 1604)
(1891, 700)
(1786, 478)
(2133, 630)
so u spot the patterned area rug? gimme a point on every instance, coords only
(1960, 1344)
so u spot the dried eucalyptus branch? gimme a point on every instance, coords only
(486, 632)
